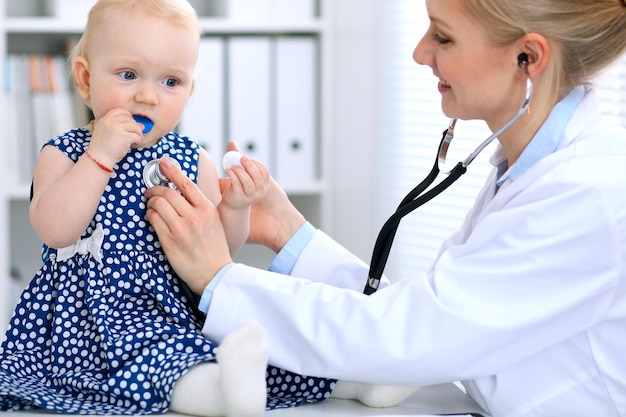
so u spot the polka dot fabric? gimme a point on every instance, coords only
(286, 389)
(113, 335)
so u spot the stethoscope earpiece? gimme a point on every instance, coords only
(522, 60)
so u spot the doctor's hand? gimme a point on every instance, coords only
(274, 219)
(189, 229)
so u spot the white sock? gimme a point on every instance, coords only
(243, 360)
(234, 386)
(377, 396)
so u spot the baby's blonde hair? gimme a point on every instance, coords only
(177, 12)
(585, 36)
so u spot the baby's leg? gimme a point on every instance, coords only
(234, 386)
(378, 396)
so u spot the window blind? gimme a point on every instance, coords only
(411, 127)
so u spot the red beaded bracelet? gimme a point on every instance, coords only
(100, 164)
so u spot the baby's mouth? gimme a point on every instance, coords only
(147, 123)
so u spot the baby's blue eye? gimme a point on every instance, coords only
(171, 82)
(127, 75)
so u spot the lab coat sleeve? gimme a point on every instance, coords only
(339, 268)
(525, 279)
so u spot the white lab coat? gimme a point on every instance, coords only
(526, 302)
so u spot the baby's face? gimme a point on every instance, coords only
(144, 65)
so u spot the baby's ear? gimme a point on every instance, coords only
(80, 72)
(193, 87)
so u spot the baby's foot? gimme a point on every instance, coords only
(377, 396)
(242, 358)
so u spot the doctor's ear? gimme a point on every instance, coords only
(534, 55)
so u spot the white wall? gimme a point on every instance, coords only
(354, 141)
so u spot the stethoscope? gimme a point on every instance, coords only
(418, 196)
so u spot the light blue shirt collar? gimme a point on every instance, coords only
(547, 139)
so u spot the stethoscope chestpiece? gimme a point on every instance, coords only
(152, 174)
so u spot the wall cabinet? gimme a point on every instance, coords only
(294, 35)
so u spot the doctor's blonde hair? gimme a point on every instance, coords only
(585, 36)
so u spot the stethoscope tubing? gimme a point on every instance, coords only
(418, 196)
(411, 202)
(520, 113)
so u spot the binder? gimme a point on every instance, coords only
(69, 9)
(296, 110)
(290, 10)
(249, 106)
(22, 111)
(203, 119)
(248, 10)
(40, 102)
(39, 106)
(65, 114)
(11, 115)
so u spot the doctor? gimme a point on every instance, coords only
(526, 303)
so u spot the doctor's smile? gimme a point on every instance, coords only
(444, 86)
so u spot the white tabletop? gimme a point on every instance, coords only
(437, 399)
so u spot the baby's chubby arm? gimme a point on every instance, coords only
(248, 183)
(66, 194)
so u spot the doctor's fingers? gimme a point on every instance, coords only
(174, 210)
(187, 188)
(175, 219)
(187, 240)
(161, 227)
(161, 214)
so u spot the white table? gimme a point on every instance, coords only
(437, 399)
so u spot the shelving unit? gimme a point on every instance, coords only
(25, 29)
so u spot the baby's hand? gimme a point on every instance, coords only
(249, 182)
(113, 135)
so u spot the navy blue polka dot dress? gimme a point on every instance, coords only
(104, 327)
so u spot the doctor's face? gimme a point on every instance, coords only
(476, 80)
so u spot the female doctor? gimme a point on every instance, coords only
(526, 303)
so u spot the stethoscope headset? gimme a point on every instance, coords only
(418, 196)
